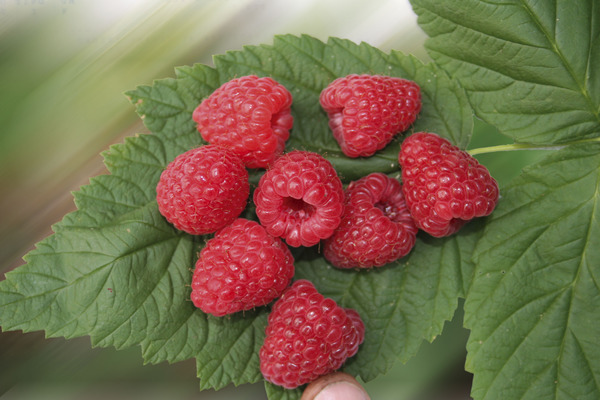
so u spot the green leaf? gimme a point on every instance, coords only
(529, 67)
(533, 305)
(275, 392)
(402, 303)
(306, 66)
(116, 271)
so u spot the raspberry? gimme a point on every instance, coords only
(240, 268)
(300, 198)
(367, 111)
(251, 115)
(307, 336)
(203, 189)
(444, 187)
(376, 226)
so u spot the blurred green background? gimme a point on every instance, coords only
(64, 65)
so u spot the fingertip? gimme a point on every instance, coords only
(335, 386)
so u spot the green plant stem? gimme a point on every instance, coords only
(525, 146)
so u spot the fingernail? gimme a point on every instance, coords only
(342, 391)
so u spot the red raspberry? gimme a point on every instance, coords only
(367, 111)
(444, 187)
(300, 198)
(240, 268)
(251, 115)
(307, 336)
(376, 226)
(203, 189)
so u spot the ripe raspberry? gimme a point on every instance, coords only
(251, 115)
(240, 268)
(367, 111)
(376, 226)
(307, 336)
(300, 198)
(444, 187)
(203, 189)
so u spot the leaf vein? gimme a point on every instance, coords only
(149, 292)
(521, 342)
(552, 41)
(228, 354)
(574, 283)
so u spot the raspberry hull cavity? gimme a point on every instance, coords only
(300, 198)
(203, 190)
(444, 186)
(250, 115)
(240, 268)
(307, 336)
(367, 111)
(376, 226)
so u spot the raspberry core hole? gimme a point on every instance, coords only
(297, 207)
(390, 211)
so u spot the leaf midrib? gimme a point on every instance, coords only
(574, 285)
(149, 292)
(580, 88)
(556, 49)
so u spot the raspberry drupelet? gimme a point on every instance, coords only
(250, 115)
(300, 198)
(376, 226)
(307, 336)
(203, 189)
(367, 111)
(240, 268)
(444, 186)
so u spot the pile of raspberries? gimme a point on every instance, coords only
(301, 201)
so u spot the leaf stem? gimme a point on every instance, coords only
(525, 146)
